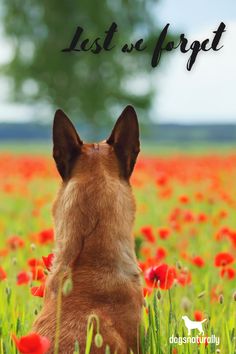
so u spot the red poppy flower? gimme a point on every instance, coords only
(175, 214)
(223, 214)
(232, 238)
(8, 188)
(37, 273)
(38, 290)
(198, 261)
(146, 252)
(23, 278)
(184, 255)
(148, 233)
(199, 196)
(33, 343)
(161, 253)
(161, 275)
(162, 179)
(48, 260)
(147, 291)
(198, 315)
(184, 199)
(142, 266)
(15, 242)
(3, 252)
(163, 233)
(176, 226)
(165, 193)
(150, 262)
(202, 217)
(46, 236)
(33, 262)
(3, 274)
(224, 258)
(223, 232)
(184, 277)
(228, 273)
(216, 291)
(188, 216)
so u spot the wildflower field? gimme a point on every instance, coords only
(185, 237)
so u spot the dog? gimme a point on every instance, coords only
(193, 324)
(93, 218)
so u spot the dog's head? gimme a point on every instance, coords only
(101, 170)
(72, 156)
(184, 318)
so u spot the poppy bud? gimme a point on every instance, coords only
(32, 246)
(107, 350)
(67, 286)
(221, 299)
(175, 282)
(200, 295)
(178, 265)
(234, 296)
(158, 294)
(186, 304)
(98, 340)
(8, 294)
(76, 350)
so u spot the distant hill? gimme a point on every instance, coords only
(175, 133)
(181, 133)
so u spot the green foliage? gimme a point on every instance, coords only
(85, 85)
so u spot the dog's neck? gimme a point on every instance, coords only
(93, 223)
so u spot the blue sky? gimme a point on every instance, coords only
(206, 94)
(193, 15)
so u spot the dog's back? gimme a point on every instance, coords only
(94, 214)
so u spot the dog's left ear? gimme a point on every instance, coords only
(66, 144)
(125, 140)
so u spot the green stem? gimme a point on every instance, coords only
(58, 318)
(170, 318)
(170, 302)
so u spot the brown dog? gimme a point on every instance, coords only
(94, 215)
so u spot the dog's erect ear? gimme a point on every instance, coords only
(66, 143)
(125, 140)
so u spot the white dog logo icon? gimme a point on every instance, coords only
(193, 325)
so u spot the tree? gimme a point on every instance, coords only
(88, 86)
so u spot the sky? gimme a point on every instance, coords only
(204, 95)
(207, 93)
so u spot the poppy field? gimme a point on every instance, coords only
(185, 239)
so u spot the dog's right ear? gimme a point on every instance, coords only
(125, 140)
(66, 143)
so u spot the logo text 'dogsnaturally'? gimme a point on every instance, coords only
(193, 340)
